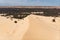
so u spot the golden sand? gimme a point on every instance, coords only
(42, 28)
(32, 27)
(12, 31)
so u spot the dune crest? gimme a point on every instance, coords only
(42, 28)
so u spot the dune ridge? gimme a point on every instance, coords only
(42, 28)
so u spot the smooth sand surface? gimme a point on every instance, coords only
(12, 31)
(32, 27)
(42, 28)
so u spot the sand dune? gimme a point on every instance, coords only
(32, 27)
(12, 31)
(42, 28)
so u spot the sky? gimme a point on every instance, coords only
(29, 2)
